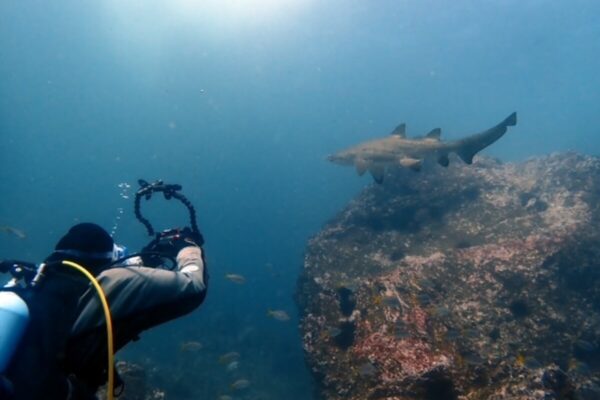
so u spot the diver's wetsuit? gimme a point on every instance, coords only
(139, 298)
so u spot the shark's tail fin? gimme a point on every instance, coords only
(511, 120)
(468, 147)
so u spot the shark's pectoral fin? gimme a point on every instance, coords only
(412, 163)
(467, 154)
(377, 173)
(434, 134)
(443, 160)
(400, 130)
(361, 166)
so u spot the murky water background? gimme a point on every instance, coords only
(240, 102)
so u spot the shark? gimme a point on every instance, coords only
(399, 150)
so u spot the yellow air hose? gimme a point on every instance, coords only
(109, 331)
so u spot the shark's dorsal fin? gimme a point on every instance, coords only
(434, 134)
(400, 130)
(377, 173)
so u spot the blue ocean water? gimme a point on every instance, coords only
(240, 102)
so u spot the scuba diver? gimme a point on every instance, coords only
(57, 333)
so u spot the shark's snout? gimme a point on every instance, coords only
(340, 158)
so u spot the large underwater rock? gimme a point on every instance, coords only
(472, 282)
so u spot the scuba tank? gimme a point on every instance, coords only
(14, 312)
(14, 318)
(35, 344)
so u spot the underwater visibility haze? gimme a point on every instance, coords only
(241, 102)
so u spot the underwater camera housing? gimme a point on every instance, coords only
(164, 246)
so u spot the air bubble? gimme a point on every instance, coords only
(124, 188)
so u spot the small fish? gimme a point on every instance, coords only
(527, 362)
(441, 311)
(583, 346)
(471, 333)
(191, 346)
(225, 397)
(578, 367)
(452, 334)
(424, 299)
(473, 358)
(240, 384)
(13, 231)
(279, 315)
(349, 285)
(401, 330)
(331, 332)
(236, 278)
(334, 331)
(427, 283)
(367, 369)
(533, 363)
(229, 357)
(390, 301)
(232, 366)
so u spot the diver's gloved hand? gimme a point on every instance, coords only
(7, 265)
(169, 242)
(185, 237)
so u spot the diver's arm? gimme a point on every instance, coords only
(142, 297)
(139, 298)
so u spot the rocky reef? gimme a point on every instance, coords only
(468, 282)
(133, 384)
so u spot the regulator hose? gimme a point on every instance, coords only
(109, 329)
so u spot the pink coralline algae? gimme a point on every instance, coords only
(398, 359)
(505, 252)
(423, 262)
(417, 317)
